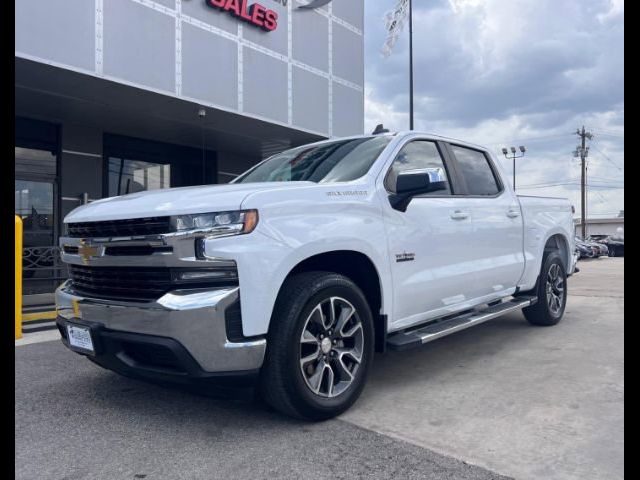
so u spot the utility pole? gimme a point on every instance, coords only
(583, 152)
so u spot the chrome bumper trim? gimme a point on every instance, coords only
(196, 319)
(183, 252)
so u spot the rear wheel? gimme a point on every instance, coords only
(319, 348)
(551, 292)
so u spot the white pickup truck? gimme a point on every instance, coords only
(291, 276)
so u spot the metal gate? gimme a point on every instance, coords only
(42, 269)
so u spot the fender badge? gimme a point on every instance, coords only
(405, 257)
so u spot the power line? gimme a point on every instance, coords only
(605, 156)
(609, 134)
(612, 187)
(595, 182)
(607, 131)
(531, 139)
(607, 179)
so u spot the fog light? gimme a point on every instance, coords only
(208, 275)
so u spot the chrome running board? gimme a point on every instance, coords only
(441, 328)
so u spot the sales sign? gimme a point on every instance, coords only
(255, 14)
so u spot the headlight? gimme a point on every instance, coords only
(218, 223)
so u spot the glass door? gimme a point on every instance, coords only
(36, 203)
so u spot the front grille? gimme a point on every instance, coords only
(128, 283)
(142, 283)
(121, 228)
(130, 250)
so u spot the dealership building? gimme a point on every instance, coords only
(118, 96)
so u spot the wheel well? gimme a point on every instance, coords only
(559, 244)
(360, 270)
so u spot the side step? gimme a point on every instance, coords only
(440, 328)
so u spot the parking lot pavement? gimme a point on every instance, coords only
(528, 402)
(76, 421)
(505, 397)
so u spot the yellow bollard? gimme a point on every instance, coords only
(18, 285)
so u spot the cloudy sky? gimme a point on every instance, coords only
(512, 72)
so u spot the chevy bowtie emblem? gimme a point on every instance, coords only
(87, 252)
(315, 4)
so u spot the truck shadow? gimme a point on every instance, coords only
(462, 350)
(213, 406)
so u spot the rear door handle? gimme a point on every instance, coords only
(513, 213)
(459, 215)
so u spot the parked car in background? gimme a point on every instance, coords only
(576, 257)
(604, 250)
(615, 244)
(585, 249)
(599, 241)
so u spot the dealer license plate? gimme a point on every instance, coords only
(79, 337)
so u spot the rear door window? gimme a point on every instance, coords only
(476, 171)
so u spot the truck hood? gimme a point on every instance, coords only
(174, 201)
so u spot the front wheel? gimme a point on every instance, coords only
(551, 292)
(319, 347)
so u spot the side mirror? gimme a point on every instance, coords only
(411, 183)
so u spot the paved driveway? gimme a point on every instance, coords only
(530, 402)
(503, 397)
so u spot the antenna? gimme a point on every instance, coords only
(380, 129)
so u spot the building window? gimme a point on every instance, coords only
(130, 176)
(134, 164)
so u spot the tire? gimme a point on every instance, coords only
(307, 390)
(548, 311)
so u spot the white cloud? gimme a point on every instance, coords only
(500, 71)
(616, 8)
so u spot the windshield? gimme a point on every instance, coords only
(339, 161)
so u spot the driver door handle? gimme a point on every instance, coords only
(513, 213)
(459, 215)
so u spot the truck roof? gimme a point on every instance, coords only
(405, 133)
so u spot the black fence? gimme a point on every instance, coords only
(42, 270)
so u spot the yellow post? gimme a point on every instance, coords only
(18, 285)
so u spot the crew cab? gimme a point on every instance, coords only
(290, 277)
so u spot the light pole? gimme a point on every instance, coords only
(202, 113)
(410, 65)
(513, 156)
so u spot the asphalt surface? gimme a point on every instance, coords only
(75, 420)
(504, 397)
(527, 402)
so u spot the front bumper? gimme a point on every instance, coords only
(182, 335)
